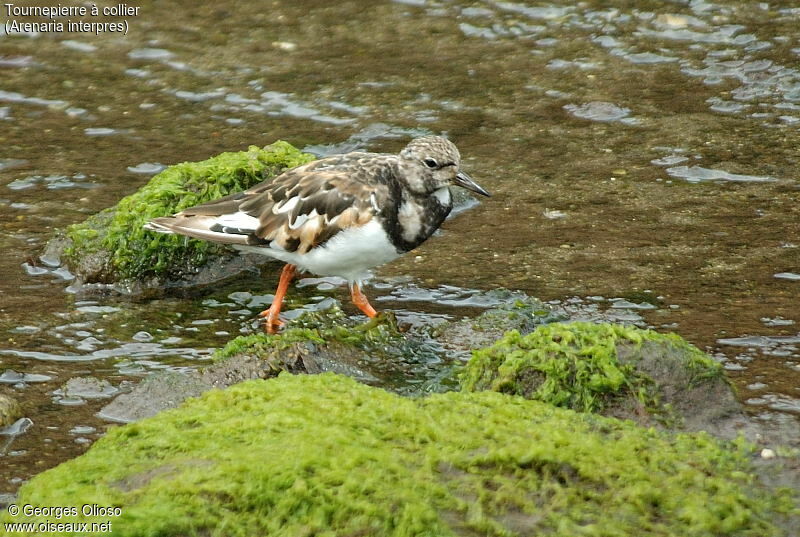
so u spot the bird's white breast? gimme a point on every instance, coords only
(349, 254)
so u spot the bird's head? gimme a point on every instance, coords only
(431, 163)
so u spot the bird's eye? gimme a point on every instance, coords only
(430, 163)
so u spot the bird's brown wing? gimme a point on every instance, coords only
(301, 208)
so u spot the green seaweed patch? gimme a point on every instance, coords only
(128, 251)
(575, 365)
(263, 344)
(324, 455)
(320, 328)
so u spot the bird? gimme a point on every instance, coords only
(341, 215)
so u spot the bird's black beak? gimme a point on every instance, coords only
(464, 180)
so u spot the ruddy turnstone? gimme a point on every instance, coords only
(341, 215)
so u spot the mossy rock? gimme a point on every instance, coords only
(373, 352)
(600, 367)
(112, 251)
(343, 348)
(324, 455)
(320, 327)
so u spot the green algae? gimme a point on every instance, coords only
(320, 328)
(128, 251)
(575, 365)
(323, 455)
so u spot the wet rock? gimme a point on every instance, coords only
(157, 392)
(86, 388)
(10, 410)
(456, 464)
(296, 358)
(110, 252)
(323, 341)
(700, 399)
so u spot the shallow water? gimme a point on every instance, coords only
(647, 155)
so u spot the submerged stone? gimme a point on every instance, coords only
(86, 388)
(110, 251)
(325, 455)
(159, 391)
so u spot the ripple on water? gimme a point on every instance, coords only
(446, 295)
(274, 103)
(362, 139)
(776, 321)
(78, 45)
(94, 308)
(92, 353)
(628, 34)
(767, 342)
(82, 429)
(17, 61)
(601, 111)
(669, 160)
(537, 12)
(14, 97)
(52, 182)
(147, 168)
(698, 174)
(597, 309)
(138, 73)
(726, 107)
(156, 54)
(9, 376)
(11, 163)
(198, 96)
(782, 351)
(621, 303)
(470, 30)
(780, 402)
(104, 131)
(558, 64)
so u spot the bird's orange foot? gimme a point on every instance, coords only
(360, 300)
(272, 323)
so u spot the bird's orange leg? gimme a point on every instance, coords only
(360, 300)
(272, 322)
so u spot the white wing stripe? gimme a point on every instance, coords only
(238, 220)
(286, 206)
(302, 218)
